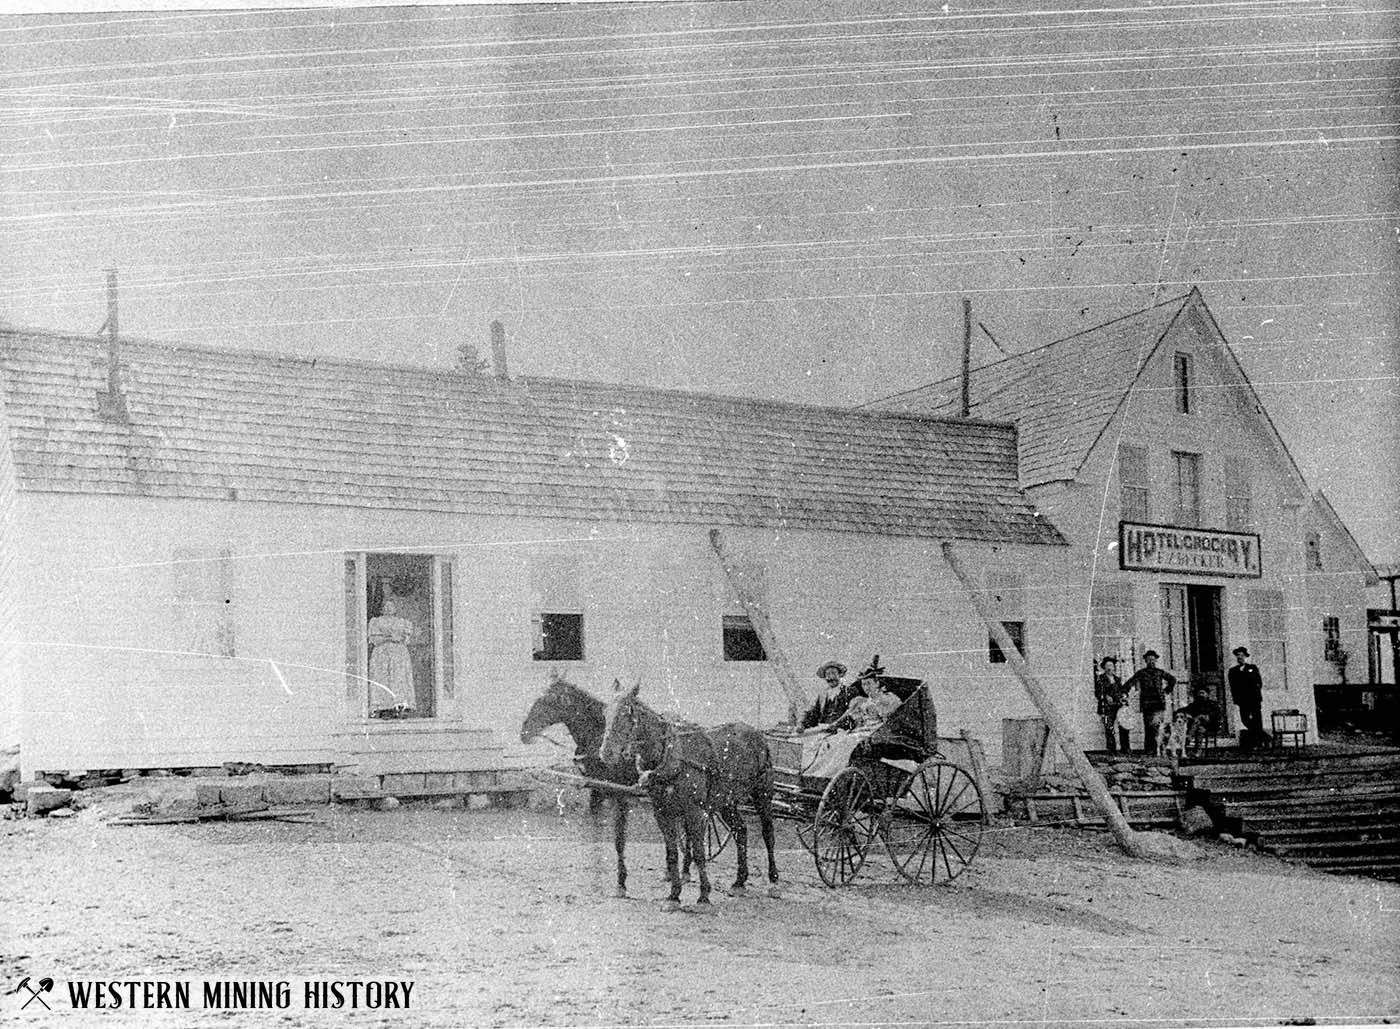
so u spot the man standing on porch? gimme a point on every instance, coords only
(1247, 692)
(1156, 688)
(1109, 696)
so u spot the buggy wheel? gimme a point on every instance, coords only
(717, 834)
(845, 824)
(935, 823)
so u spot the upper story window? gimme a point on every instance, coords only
(1182, 383)
(1188, 488)
(1238, 516)
(1312, 552)
(1132, 481)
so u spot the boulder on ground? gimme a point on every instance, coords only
(1158, 846)
(42, 799)
(1197, 821)
(9, 769)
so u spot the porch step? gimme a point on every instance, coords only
(1337, 811)
(1301, 760)
(1349, 806)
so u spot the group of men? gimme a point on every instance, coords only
(1155, 689)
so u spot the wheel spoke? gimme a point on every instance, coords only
(949, 806)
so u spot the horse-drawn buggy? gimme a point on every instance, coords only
(891, 780)
(845, 788)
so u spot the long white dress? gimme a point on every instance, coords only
(390, 666)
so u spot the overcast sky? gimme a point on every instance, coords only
(778, 200)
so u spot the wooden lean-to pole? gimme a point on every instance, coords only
(1059, 727)
(762, 627)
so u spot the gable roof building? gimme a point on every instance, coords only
(195, 566)
(1144, 441)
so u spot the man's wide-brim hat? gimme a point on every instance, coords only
(840, 669)
(1150, 653)
(1241, 650)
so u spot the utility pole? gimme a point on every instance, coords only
(1093, 782)
(966, 408)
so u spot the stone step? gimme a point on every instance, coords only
(1291, 806)
(1381, 850)
(1340, 832)
(1305, 762)
(1337, 792)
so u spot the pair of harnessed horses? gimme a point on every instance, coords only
(686, 770)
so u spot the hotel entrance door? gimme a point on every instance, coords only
(1193, 643)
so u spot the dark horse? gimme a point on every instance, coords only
(584, 715)
(688, 771)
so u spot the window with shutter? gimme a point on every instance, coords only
(1132, 481)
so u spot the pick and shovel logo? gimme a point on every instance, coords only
(35, 991)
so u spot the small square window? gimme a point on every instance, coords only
(558, 637)
(741, 643)
(1017, 632)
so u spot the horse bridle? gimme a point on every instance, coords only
(672, 759)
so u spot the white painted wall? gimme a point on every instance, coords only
(104, 681)
(1225, 421)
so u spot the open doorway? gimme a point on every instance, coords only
(1193, 642)
(400, 631)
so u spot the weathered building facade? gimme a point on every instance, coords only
(198, 570)
(1145, 443)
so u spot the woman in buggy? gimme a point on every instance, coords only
(828, 747)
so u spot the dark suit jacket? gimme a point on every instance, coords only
(1246, 685)
(828, 710)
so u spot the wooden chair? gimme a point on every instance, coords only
(1289, 725)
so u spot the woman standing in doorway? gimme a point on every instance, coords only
(390, 666)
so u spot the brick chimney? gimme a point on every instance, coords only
(111, 403)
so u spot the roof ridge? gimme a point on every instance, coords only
(1181, 300)
(527, 381)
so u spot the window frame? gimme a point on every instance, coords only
(1134, 493)
(1016, 629)
(440, 610)
(1312, 551)
(540, 636)
(1331, 637)
(1183, 366)
(1181, 460)
(729, 628)
(1239, 495)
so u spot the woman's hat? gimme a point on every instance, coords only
(1241, 650)
(840, 669)
(1108, 660)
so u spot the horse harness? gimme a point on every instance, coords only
(665, 775)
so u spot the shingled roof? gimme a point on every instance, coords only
(1060, 395)
(248, 426)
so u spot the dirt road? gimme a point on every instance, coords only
(506, 918)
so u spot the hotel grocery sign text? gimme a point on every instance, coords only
(1170, 548)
